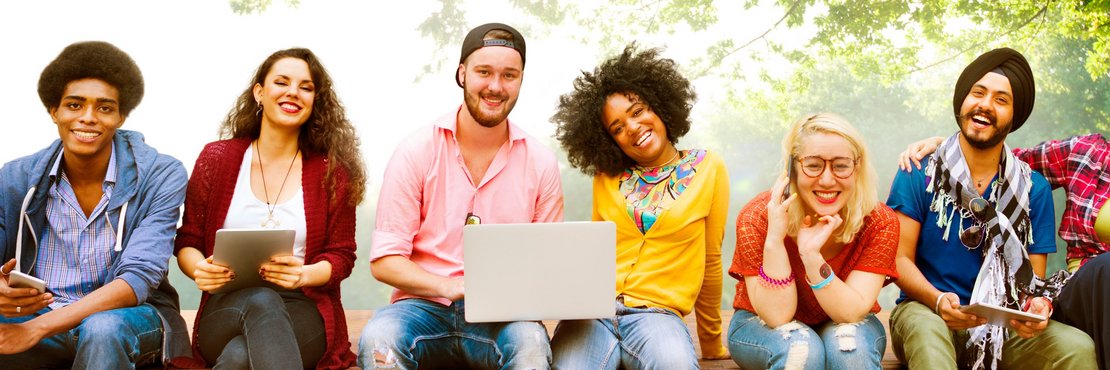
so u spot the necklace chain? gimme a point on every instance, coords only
(270, 222)
(676, 153)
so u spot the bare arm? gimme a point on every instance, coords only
(843, 303)
(848, 300)
(775, 305)
(16, 302)
(207, 275)
(403, 274)
(16, 338)
(1039, 261)
(290, 272)
(914, 284)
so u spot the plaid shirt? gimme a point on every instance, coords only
(1080, 164)
(75, 258)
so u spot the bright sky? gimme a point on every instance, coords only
(197, 56)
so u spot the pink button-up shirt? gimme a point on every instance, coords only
(427, 194)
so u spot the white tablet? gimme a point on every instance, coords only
(998, 315)
(245, 250)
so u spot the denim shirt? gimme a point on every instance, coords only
(154, 186)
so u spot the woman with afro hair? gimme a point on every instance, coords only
(620, 125)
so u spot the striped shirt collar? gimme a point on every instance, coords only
(109, 176)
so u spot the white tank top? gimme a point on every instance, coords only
(247, 212)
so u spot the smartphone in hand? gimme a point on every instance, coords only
(20, 280)
(789, 178)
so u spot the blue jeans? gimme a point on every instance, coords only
(636, 338)
(855, 346)
(122, 338)
(416, 333)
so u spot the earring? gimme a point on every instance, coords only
(259, 111)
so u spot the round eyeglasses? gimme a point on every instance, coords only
(814, 166)
(972, 237)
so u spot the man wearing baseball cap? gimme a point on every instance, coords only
(976, 225)
(469, 166)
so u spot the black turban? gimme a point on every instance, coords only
(1014, 67)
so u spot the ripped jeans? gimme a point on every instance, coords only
(795, 345)
(415, 333)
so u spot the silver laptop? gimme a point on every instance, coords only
(540, 271)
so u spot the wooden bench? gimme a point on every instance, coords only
(356, 319)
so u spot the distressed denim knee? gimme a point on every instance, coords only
(754, 345)
(385, 344)
(524, 345)
(858, 346)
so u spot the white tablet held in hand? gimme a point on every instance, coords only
(245, 250)
(998, 315)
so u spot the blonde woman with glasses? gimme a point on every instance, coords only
(811, 256)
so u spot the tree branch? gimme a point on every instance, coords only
(717, 61)
(981, 43)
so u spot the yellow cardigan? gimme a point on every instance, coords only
(676, 265)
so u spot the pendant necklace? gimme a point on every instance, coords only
(269, 222)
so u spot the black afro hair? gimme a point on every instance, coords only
(92, 59)
(645, 74)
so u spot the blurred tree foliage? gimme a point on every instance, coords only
(888, 66)
(244, 7)
(887, 43)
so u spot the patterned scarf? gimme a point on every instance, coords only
(1006, 277)
(648, 191)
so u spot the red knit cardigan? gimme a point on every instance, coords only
(330, 233)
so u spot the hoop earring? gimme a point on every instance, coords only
(259, 111)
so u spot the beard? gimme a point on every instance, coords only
(983, 143)
(473, 103)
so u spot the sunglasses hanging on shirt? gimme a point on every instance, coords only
(972, 237)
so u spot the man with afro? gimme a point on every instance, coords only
(87, 227)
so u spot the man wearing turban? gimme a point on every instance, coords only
(976, 225)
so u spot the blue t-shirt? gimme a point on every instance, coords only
(948, 265)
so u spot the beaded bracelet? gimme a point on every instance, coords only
(774, 283)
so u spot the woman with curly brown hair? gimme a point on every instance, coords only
(620, 125)
(288, 130)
